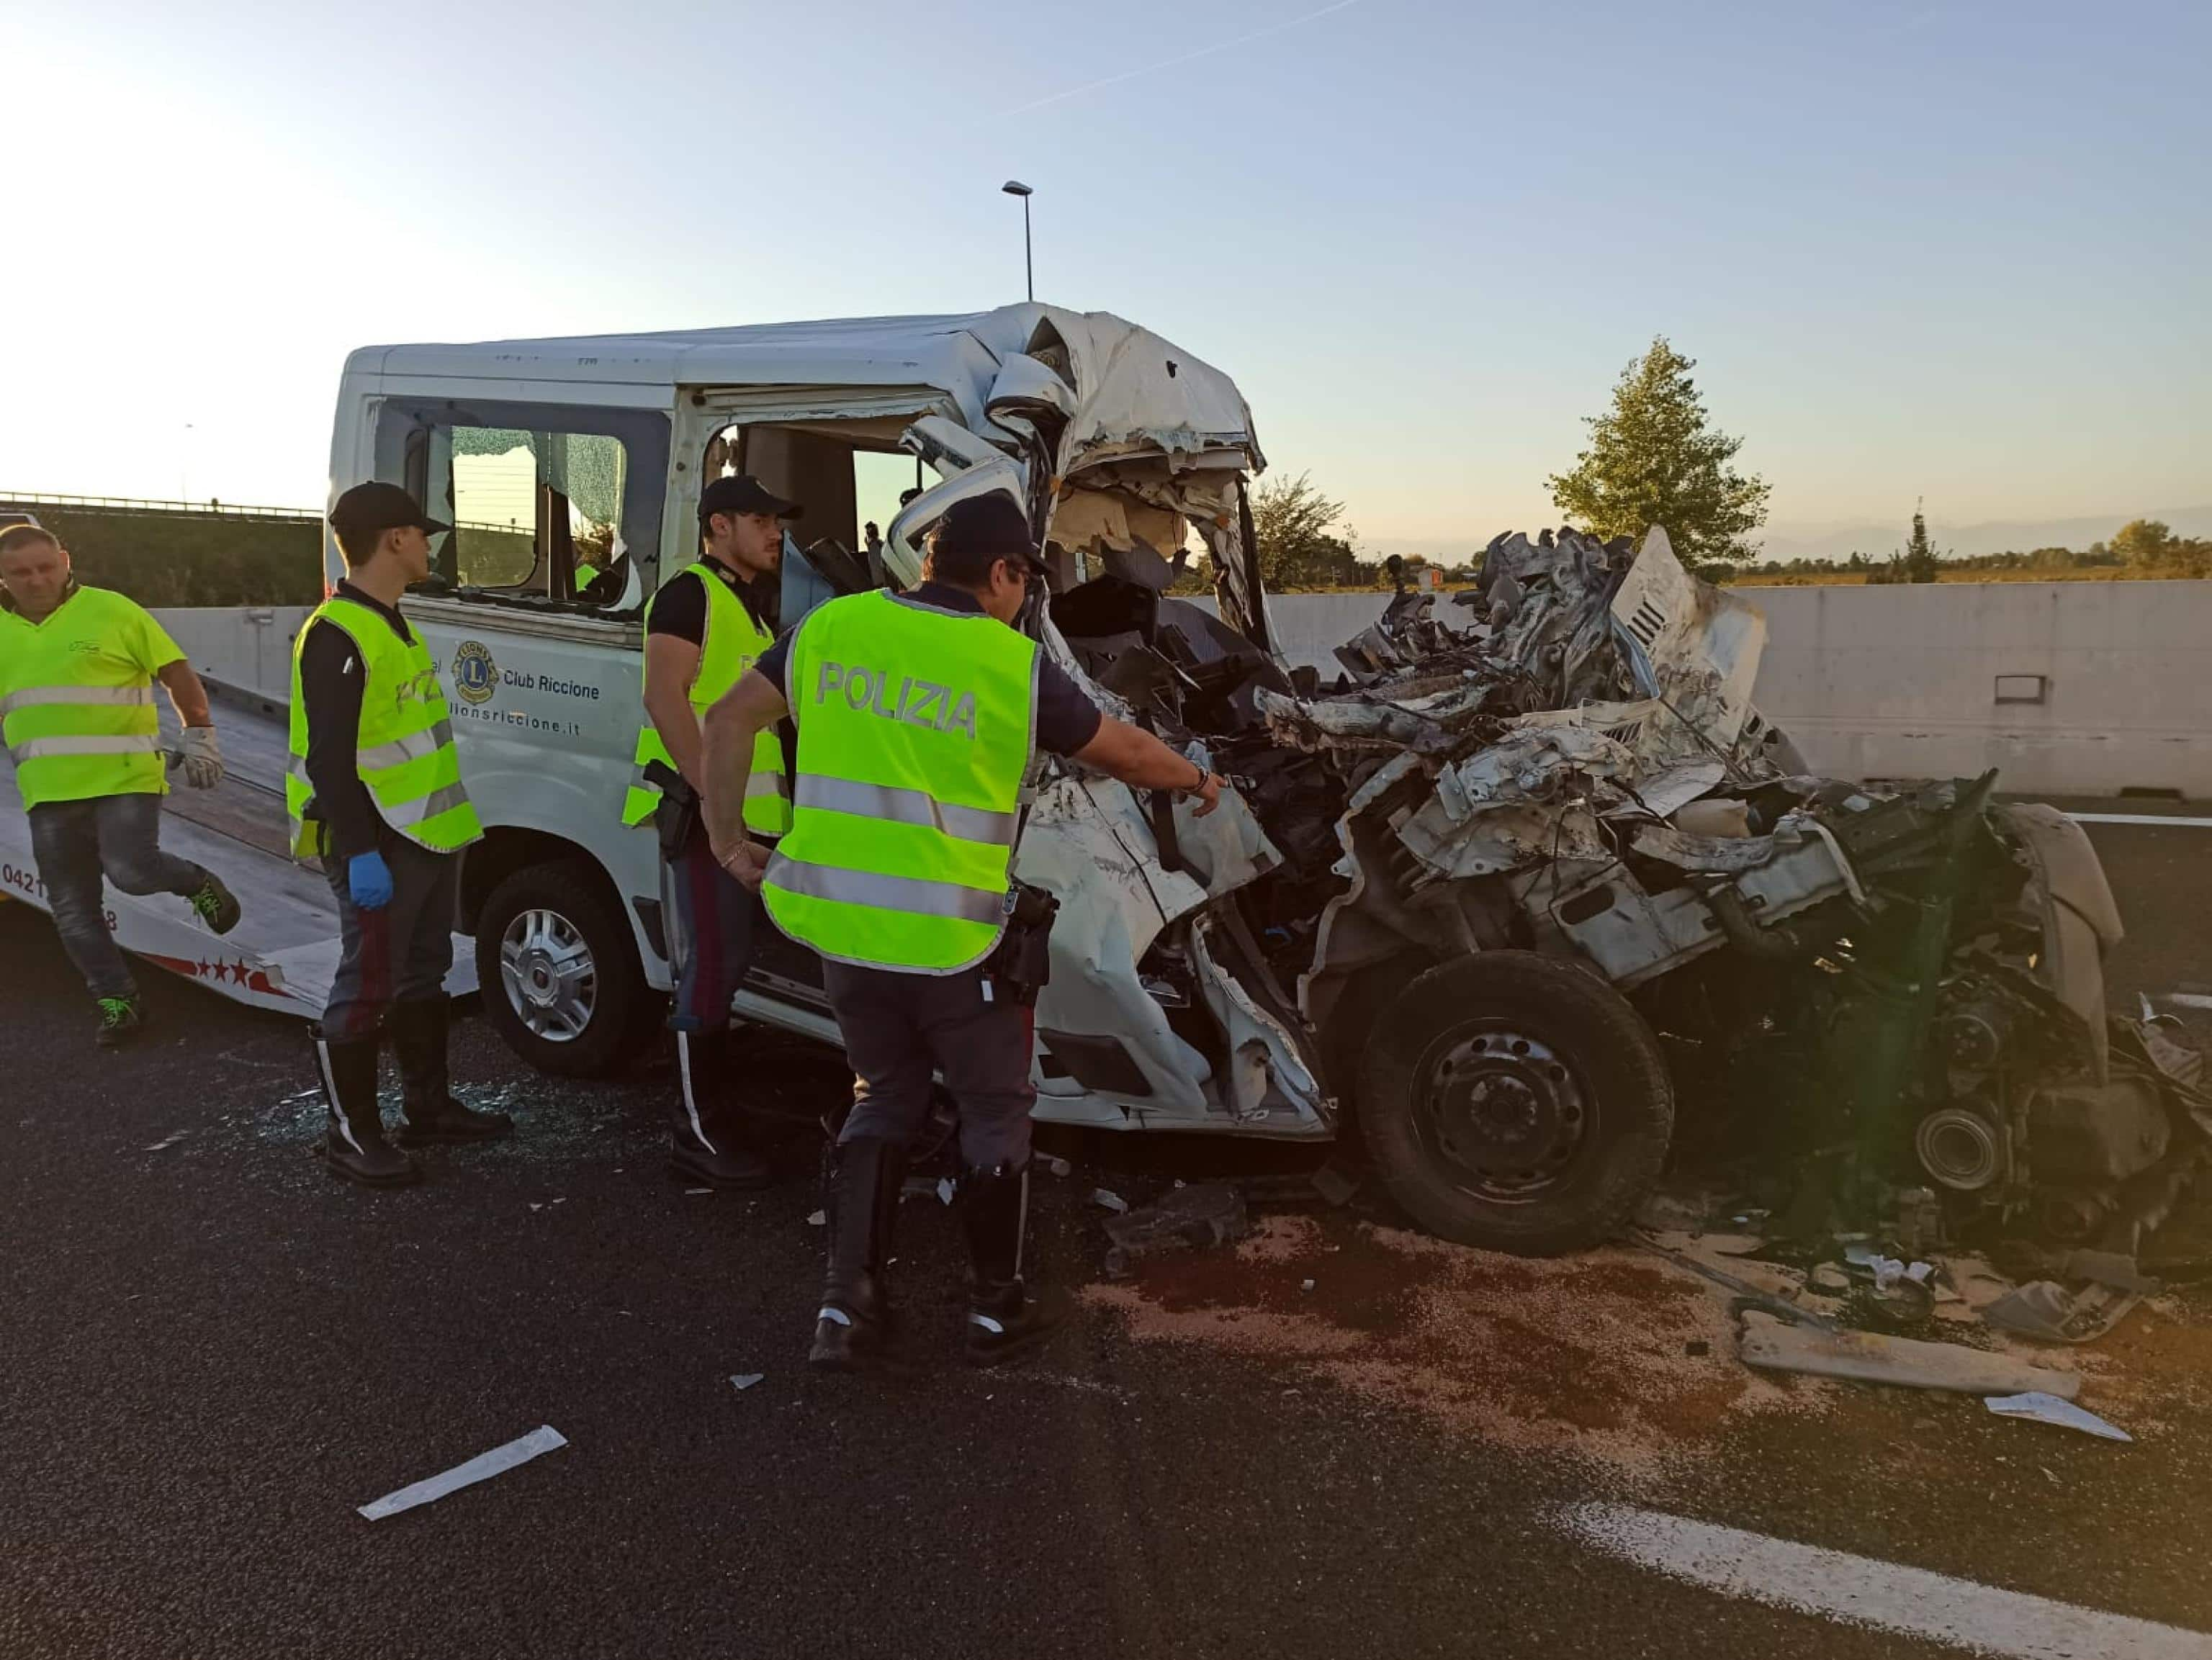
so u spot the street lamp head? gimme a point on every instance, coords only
(1015, 187)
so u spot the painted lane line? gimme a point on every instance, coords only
(2140, 818)
(2186, 999)
(481, 1467)
(1860, 1591)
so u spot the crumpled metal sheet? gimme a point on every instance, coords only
(1551, 623)
(2079, 917)
(1716, 855)
(1530, 763)
(1649, 672)
(2180, 1069)
(1692, 645)
(1351, 724)
(1502, 838)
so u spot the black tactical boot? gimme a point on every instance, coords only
(1005, 1318)
(855, 1324)
(353, 1140)
(708, 1134)
(430, 1113)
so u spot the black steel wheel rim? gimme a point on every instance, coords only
(1501, 1112)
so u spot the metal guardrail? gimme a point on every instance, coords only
(34, 500)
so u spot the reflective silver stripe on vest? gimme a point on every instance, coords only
(908, 894)
(38, 748)
(400, 751)
(900, 806)
(413, 812)
(35, 696)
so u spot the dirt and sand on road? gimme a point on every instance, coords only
(1613, 1354)
(1618, 1356)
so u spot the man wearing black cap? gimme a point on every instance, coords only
(704, 628)
(918, 716)
(375, 790)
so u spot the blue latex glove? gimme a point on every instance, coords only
(368, 878)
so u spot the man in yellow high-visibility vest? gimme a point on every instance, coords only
(77, 668)
(375, 791)
(704, 628)
(919, 717)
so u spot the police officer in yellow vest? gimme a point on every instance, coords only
(919, 716)
(77, 668)
(703, 630)
(375, 791)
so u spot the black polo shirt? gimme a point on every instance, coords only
(332, 675)
(679, 608)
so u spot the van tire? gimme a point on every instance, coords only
(1516, 1103)
(559, 918)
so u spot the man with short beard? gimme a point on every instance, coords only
(77, 668)
(704, 628)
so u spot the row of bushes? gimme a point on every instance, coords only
(179, 558)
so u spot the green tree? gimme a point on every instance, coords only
(1303, 541)
(1654, 459)
(1918, 562)
(2144, 541)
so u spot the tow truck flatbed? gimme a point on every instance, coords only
(284, 951)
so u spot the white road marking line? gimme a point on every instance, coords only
(482, 1467)
(2140, 818)
(2184, 999)
(1862, 1591)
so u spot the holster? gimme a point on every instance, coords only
(676, 818)
(1020, 965)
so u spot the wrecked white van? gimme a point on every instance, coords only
(1494, 894)
(571, 470)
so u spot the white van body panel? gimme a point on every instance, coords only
(546, 699)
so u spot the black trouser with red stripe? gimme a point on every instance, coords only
(709, 917)
(399, 953)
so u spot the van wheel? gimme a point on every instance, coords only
(1515, 1103)
(558, 973)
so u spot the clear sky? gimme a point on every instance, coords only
(1957, 251)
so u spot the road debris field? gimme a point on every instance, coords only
(1546, 903)
(1802, 1085)
(218, 1358)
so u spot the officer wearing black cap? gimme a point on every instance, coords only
(705, 628)
(919, 716)
(375, 790)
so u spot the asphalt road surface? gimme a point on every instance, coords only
(210, 1354)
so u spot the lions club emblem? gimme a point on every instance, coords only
(476, 676)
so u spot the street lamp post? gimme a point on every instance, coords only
(1015, 187)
